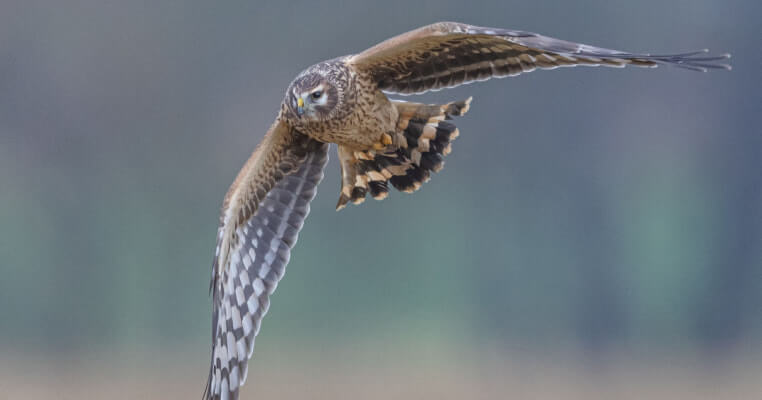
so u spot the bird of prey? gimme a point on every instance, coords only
(381, 142)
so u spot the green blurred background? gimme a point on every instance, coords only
(596, 233)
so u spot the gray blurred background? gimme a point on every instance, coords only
(596, 233)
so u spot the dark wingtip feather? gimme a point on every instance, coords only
(695, 60)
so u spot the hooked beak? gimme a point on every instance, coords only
(300, 106)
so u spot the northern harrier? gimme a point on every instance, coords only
(380, 142)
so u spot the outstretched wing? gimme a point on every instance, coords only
(448, 54)
(261, 217)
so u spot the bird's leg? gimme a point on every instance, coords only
(384, 143)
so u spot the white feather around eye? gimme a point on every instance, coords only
(317, 96)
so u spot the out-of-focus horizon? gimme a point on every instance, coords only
(596, 232)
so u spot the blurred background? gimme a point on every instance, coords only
(596, 233)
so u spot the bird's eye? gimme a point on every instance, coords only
(316, 94)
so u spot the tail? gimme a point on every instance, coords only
(423, 139)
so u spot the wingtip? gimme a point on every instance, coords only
(724, 56)
(727, 67)
(695, 61)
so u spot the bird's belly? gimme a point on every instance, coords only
(356, 139)
(360, 132)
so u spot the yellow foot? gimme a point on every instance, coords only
(385, 141)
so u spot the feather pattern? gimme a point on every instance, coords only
(262, 216)
(449, 54)
(423, 139)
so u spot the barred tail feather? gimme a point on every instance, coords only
(423, 138)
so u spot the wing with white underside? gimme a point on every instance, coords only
(261, 218)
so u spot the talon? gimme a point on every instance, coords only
(386, 139)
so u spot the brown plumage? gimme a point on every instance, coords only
(421, 141)
(381, 143)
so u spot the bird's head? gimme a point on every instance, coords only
(312, 97)
(316, 95)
